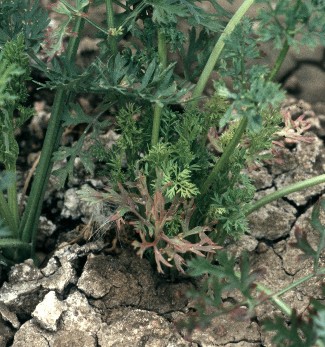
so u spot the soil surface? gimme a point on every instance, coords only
(93, 291)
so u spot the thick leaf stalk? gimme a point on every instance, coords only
(295, 187)
(209, 67)
(162, 52)
(111, 25)
(30, 220)
(235, 20)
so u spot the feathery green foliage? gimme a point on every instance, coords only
(177, 170)
(15, 65)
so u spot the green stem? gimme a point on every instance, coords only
(95, 25)
(14, 243)
(283, 53)
(110, 25)
(29, 223)
(275, 296)
(32, 212)
(162, 49)
(295, 187)
(275, 299)
(279, 61)
(77, 13)
(13, 206)
(198, 90)
(222, 162)
(156, 124)
(162, 53)
(6, 215)
(202, 83)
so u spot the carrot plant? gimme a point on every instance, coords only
(193, 156)
(177, 170)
